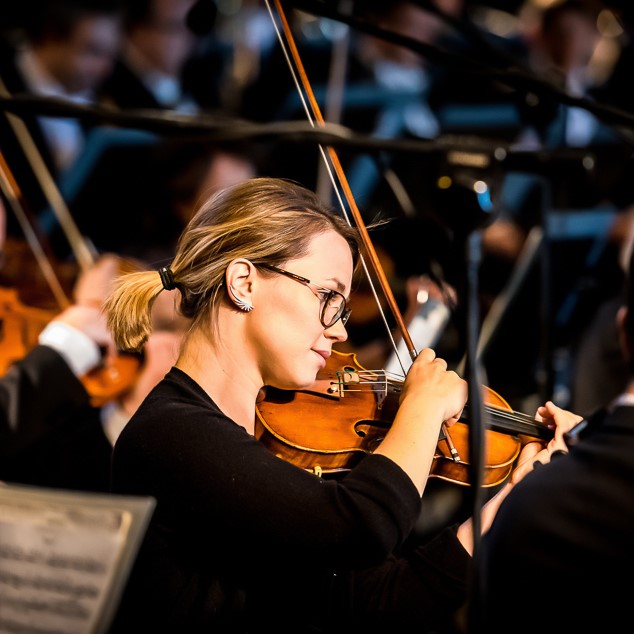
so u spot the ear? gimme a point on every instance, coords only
(239, 280)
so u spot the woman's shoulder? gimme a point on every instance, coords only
(177, 404)
(179, 388)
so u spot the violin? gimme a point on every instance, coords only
(345, 414)
(20, 326)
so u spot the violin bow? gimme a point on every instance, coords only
(332, 163)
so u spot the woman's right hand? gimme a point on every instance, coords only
(431, 395)
(429, 384)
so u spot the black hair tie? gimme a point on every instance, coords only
(167, 278)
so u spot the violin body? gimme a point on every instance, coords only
(345, 414)
(26, 301)
(20, 326)
(329, 426)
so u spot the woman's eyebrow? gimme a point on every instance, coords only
(340, 286)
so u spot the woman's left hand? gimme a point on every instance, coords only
(562, 421)
(558, 419)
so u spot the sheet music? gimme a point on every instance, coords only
(64, 558)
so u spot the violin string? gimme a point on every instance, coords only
(369, 374)
(513, 415)
(517, 421)
(373, 376)
(366, 380)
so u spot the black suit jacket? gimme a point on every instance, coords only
(49, 434)
(564, 538)
(201, 80)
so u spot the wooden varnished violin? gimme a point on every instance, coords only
(344, 415)
(20, 326)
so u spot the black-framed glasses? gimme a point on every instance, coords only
(333, 303)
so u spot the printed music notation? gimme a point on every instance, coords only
(65, 557)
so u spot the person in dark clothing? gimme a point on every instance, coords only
(567, 528)
(44, 408)
(243, 540)
(63, 49)
(161, 45)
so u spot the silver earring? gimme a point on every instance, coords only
(245, 306)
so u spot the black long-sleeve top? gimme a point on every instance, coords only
(242, 540)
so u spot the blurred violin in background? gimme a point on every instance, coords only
(22, 323)
(20, 326)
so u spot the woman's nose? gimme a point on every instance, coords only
(337, 331)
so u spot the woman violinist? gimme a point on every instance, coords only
(241, 540)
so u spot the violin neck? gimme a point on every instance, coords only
(512, 422)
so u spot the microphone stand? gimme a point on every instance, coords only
(477, 192)
(473, 372)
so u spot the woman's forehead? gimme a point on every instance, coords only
(328, 257)
(328, 245)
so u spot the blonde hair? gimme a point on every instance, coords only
(265, 220)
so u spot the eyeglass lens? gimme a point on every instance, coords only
(334, 308)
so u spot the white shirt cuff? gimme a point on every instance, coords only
(77, 348)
